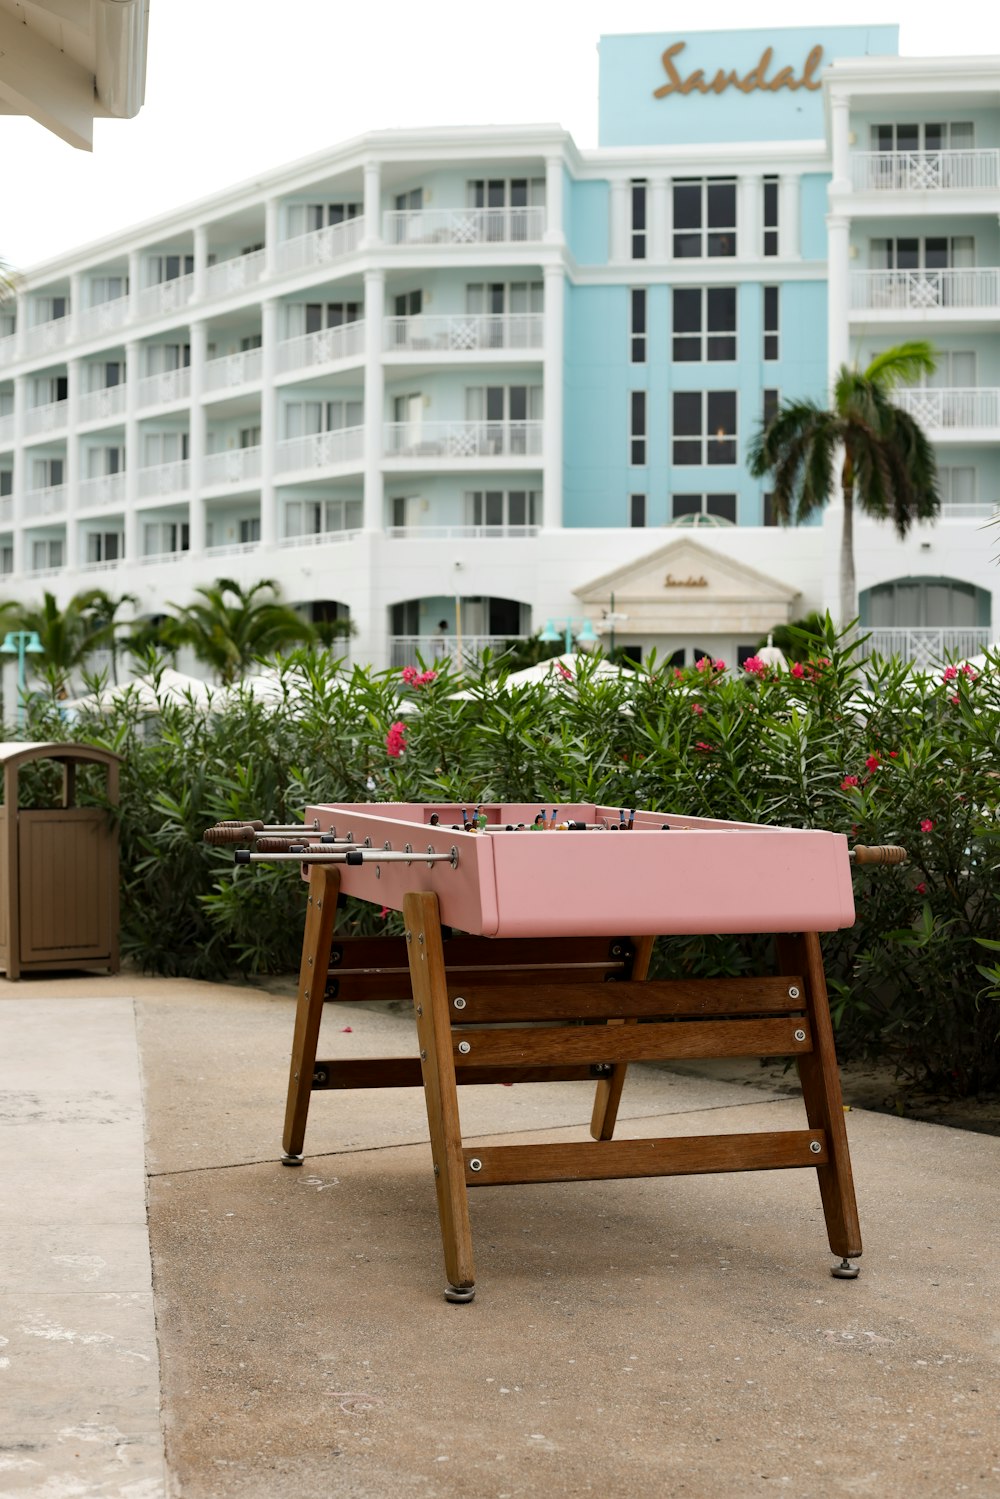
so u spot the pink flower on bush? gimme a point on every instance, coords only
(956, 700)
(409, 675)
(414, 678)
(395, 740)
(797, 669)
(707, 664)
(894, 754)
(949, 674)
(848, 782)
(678, 674)
(755, 666)
(706, 749)
(872, 764)
(920, 889)
(968, 671)
(926, 825)
(564, 671)
(425, 677)
(697, 708)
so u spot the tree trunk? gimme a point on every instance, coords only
(848, 592)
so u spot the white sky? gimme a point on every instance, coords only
(238, 86)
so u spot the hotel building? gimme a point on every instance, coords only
(482, 378)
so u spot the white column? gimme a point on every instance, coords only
(839, 141)
(554, 231)
(749, 238)
(552, 429)
(73, 557)
(271, 232)
(372, 204)
(20, 466)
(200, 261)
(374, 400)
(268, 423)
(75, 302)
(134, 282)
(789, 216)
(618, 228)
(838, 341)
(660, 216)
(133, 456)
(196, 438)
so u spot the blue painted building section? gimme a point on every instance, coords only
(632, 70)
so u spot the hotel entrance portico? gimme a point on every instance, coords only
(685, 601)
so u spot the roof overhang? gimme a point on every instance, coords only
(66, 63)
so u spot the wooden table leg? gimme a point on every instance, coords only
(609, 1091)
(821, 1093)
(430, 1001)
(321, 918)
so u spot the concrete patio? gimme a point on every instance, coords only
(180, 1315)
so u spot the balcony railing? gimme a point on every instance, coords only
(321, 449)
(169, 385)
(920, 291)
(233, 549)
(98, 404)
(320, 246)
(8, 347)
(978, 510)
(7, 510)
(165, 478)
(149, 559)
(242, 368)
(444, 333)
(460, 533)
(926, 171)
(464, 226)
(100, 567)
(47, 418)
(232, 466)
(322, 347)
(941, 410)
(235, 274)
(103, 317)
(50, 501)
(318, 538)
(463, 439)
(7, 429)
(926, 646)
(166, 296)
(103, 491)
(404, 649)
(45, 336)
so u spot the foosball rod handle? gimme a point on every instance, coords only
(885, 853)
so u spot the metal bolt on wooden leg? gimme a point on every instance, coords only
(459, 1294)
(291, 1160)
(845, 1271)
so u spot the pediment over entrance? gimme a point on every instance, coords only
(685, 586)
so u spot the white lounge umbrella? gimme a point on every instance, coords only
(773, 655)
(149, 693)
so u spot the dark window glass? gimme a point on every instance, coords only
(907, 254)
(907, 137)
(721, 318)
(936, 254)
(772, 399)
(723, 505)
(637, 416)
(687, 205)
(771, 325)
(721, 446)
(770, 519)
(721, 205)
(687, 323)
(638, 313)
(638, 220)
(744, 653)
(517, 503)
(884, 138)
(687, 444)
(637, 509)
(934, 137)
(770, 215)
(685, 504)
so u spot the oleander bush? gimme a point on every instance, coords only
(866, 747)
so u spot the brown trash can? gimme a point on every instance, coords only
(58, 868)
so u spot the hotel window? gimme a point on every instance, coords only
(6, 481)
(637, 332)
(7, 558)
(107, 289)
(957, 488)
(503, 507)
(772, 400)
(704, 323)
(249, 530)
(721, 505)
(637, 428)
(162, 358)
(164, 447)
(49, 389)
(168, 267)
(306, 418)
(105, 374)
(408, 303)
(770, 519)
(637, 205)
(160, 538)
(317, 517)
(320, 315)
(772, 315)
(496, 298)
(105, 546)
(770, 215)
(704, 427)
(50, 309)
(637, 510)
(104, 461)
(410, 202)
(957, 135)
(931, 253)
(508, 202)
(704, 217)
(251, 341)
(46, 554)
(47, 473)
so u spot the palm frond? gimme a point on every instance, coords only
(903, 364)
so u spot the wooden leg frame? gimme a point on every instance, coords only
(510, 1011)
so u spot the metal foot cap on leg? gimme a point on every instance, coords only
(459, 1293)
(291, 1160)
(845, 1270)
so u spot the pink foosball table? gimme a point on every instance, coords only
(528, 941)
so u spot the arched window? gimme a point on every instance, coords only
(940, 603)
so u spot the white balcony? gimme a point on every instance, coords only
(445, 333)
(45, 336)
(322, 347)
(321, 450)
(318, 539)
(7, 510)
(242, 368)
(101, 567)
(48, 418)
(404, 649)
(952, 411)
(8, 347)
(165, 296)
(103, 317)
(320, 246)
(102, 492)
(231, 467)
(927, 646)
(7, 429)
(149, 559)
(975, 287)
(50, 501)
(169, 385)
(977, 510)
(463, 439)
(233, 549)
(461, 533)
(99, 405)
(165, 478)
(464, 226)
(925, 171)
(235, 274)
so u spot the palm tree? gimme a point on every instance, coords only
(67, 636)
(229, 627)
(104, 609)
(886, 461)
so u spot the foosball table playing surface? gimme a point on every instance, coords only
(528, 938)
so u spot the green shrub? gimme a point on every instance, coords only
(867, 748)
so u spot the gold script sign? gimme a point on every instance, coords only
(757, 78)
(671, 582)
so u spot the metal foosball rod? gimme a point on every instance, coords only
(322, 854)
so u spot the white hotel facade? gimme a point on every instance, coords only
(486, 366)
